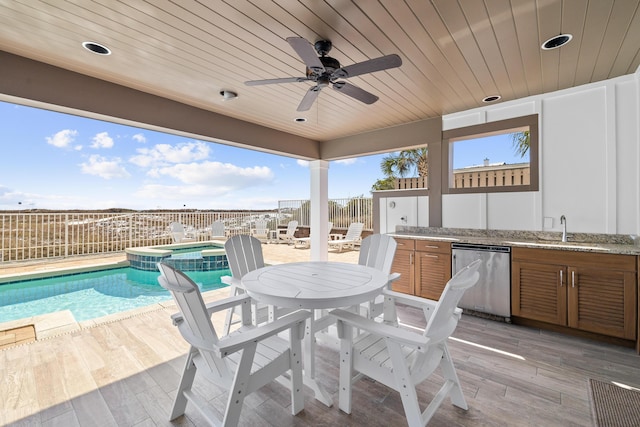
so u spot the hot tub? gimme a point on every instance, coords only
(192, 256)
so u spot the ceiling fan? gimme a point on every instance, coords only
(324, 71)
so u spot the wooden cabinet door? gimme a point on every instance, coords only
(538, 291)
(602, 300)
(433, 271)
(403, 264)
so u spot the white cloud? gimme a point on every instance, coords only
(205, 180)
(303, 163)
(216, 173)
(164, 154)
(138, 137)
(104, 168)
(102, 140)
(62, 139)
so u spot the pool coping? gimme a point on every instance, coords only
(67, 271)
(164, 250)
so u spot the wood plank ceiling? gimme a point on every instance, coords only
(454, 53)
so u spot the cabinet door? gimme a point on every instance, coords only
(403, 264)
(538, 291)
(602, 301)
(433, 271)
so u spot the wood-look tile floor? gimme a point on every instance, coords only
(125, 373)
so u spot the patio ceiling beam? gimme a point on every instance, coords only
(395, 138)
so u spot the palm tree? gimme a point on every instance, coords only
(398, 165)
(521, 142)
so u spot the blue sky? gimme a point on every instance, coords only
(59, 161)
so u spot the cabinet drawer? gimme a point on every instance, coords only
(405, 244)
(433, 246)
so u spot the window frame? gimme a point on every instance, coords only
(489, 129)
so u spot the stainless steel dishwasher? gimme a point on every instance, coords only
(492, 293)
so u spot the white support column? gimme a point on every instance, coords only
(319, 220)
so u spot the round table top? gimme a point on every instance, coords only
(314, 284)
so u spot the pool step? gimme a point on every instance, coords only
(16, 336)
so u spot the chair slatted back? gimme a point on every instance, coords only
(188, 298)
(261, 228)
(291, 228)
(378, 251)
(443, 320)
(244, 254)
(177, 231)
(354, 231)
(217, 229)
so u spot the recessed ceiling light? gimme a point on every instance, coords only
(492, 98)
(300, 119)
(96, 48)
(228, 95)
(556, 41)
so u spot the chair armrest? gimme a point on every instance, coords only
(394, 276)
(411, 300)
(381, 329)
(237, 342)
(230, 280)
(219, 305)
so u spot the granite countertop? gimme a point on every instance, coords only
(578, 242)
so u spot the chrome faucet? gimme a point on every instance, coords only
(563, 221)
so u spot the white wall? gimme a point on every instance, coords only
(589, 163)
(409, 211)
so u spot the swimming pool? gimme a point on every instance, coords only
(89, 295)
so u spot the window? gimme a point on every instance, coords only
(492, 157)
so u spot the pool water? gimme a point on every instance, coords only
(93, 294)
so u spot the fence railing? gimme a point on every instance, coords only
(38, 235)
(342, 212)
(28, 236)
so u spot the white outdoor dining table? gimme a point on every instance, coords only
(314, 285)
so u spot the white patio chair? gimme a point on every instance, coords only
(378, 251)
(350, 239)
(217, 230)
(305, 242)
(178, 233)
(241, 363)
(288, 235)
(244, 254)
(401, 359)
(261, 230)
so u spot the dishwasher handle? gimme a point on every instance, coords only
(480, 247)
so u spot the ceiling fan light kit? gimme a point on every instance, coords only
(325, 71)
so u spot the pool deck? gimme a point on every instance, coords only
(62, 322)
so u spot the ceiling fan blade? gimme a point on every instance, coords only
(355, 92)
(309, 98)
(307, 53)
(370, 66)
(272, 81)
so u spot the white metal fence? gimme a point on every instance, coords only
(27, 236)
(342, 212)
(37, 235)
